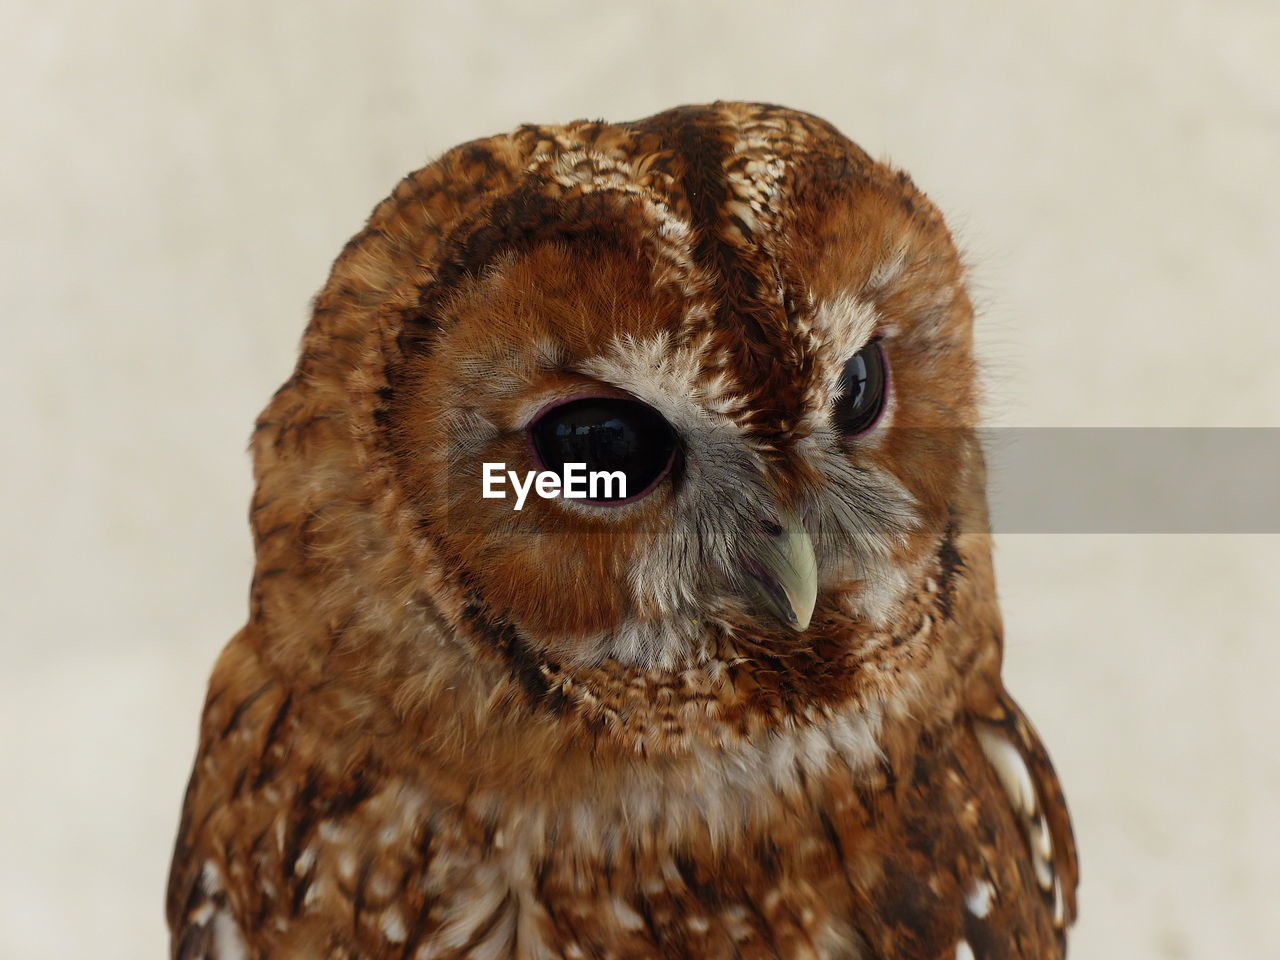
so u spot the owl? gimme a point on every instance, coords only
(724, 682)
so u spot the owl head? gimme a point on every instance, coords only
(741, 346)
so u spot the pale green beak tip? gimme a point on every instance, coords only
(801, 585)
(790, 581)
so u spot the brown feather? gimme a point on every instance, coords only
(454, 730)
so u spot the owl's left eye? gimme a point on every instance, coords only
(609, 435)
(864, 382)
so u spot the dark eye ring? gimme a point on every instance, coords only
(864, 388)
(610, 435)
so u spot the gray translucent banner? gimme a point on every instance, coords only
(1040, 480)
(1134, 480)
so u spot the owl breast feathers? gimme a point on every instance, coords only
(746, 701)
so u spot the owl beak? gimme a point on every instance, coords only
(785, 573)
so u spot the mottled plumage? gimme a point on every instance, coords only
(452, 729)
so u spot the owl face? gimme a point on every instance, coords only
(778, 364)
(731, 306)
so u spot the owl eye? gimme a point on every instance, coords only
(864, 382)
(607, 434)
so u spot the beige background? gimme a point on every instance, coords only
(177, 177)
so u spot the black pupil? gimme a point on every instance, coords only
(608, 435)
(862, 385)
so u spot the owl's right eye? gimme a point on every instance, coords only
(608, 434)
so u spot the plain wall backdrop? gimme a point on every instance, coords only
(178, 175)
